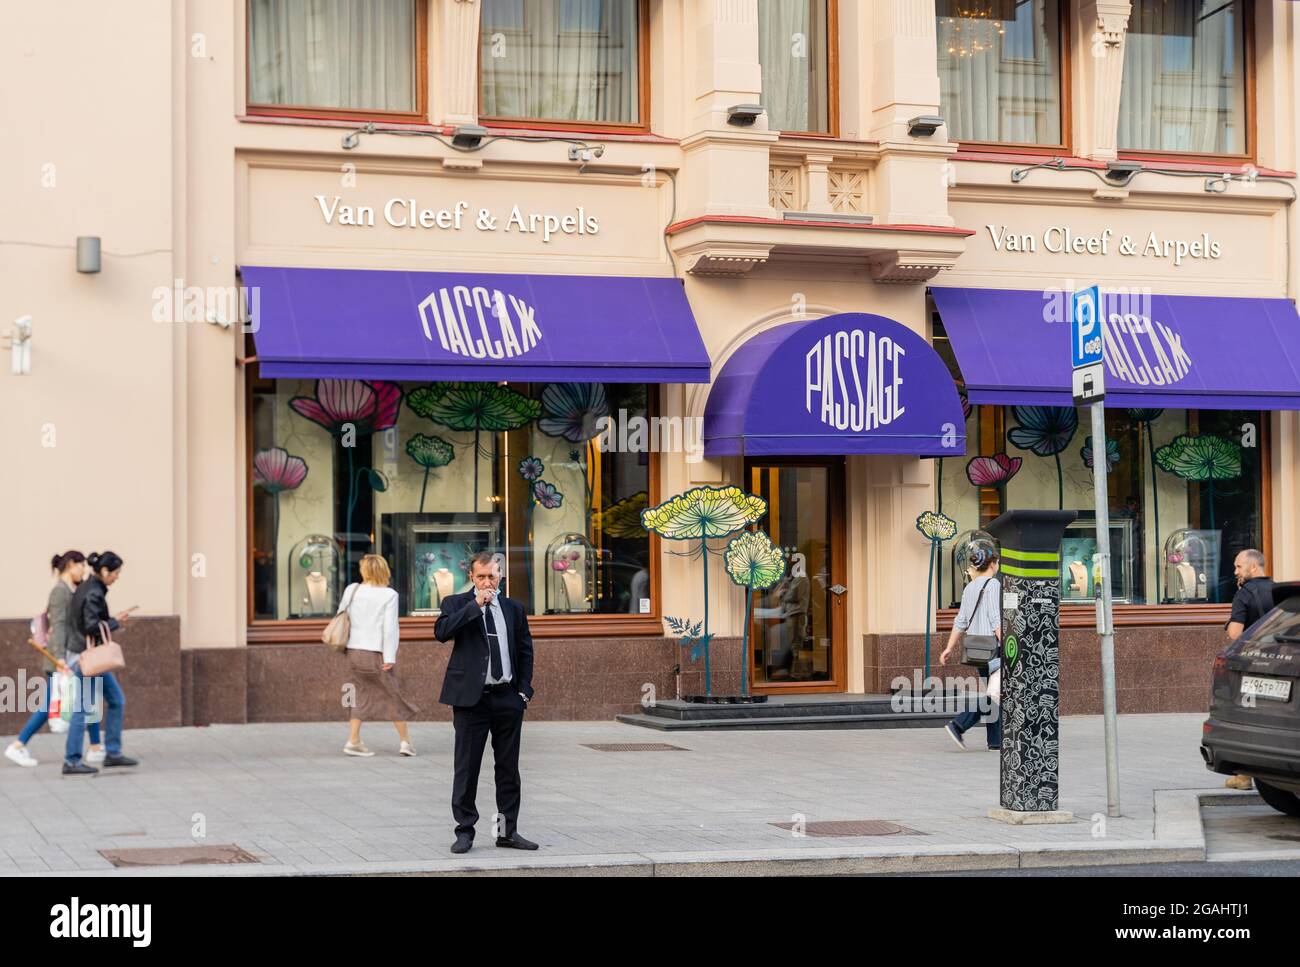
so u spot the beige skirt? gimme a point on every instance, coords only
(377, 693)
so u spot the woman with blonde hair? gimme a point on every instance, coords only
(372, 654)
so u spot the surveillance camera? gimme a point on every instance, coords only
(23, 328)
(216, 319)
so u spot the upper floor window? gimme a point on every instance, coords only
(563, 61)
(342, 57)
(1185, 78)
(1000, 70)
(796, 48)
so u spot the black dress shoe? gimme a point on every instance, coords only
(516, 842)
(120, 760)
(80, 769)
(463, 842)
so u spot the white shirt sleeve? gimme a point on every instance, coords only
(391, 629)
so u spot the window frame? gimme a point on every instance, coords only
(1249, 120)
(1065, 59)
(832, 77)
(1154, 615)
(421, 62)
(594, 127)
(277, 631)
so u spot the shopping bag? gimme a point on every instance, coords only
(67, 698)
(995, 686)
(54, 699)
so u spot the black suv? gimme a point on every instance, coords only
(1254, 723)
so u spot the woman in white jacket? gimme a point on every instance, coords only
(372, 653)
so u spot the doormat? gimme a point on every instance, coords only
(633, 747)
(179, 856)
(852, 827)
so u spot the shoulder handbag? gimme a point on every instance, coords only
(101, 658)
(979, 650)
(339, 630)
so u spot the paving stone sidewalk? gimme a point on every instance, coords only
(287, 794)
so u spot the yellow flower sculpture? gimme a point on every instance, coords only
(753, 561)
(704, 512)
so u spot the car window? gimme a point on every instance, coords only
(1280, 624)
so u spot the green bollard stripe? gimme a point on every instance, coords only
(1015, 555)
(1030, 572)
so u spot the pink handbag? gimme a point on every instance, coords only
(98, 659)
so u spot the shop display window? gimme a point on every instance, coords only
(1185, 488)
(429, 474)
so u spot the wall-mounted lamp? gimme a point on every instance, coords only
(468, 135)
(924, 126)
(744, 115)
(20, 345)
(1122, 172)
(88, 254)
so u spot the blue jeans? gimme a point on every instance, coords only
(968, 720)
(114, 712)
(42, 715)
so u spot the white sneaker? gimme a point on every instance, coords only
(18, 754)
(955, 736)
(406, 749)
(94, 756)
(358, 749)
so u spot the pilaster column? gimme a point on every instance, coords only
(905, 75)
(456, 54)
(817, 167)
(1105, 24)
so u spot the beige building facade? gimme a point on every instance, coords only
(186, 147)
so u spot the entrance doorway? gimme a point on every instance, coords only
(796, 630)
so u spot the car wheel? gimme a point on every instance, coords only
(1279, 799)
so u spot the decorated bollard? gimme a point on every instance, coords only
(1030, 572)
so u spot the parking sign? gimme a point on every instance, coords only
(1087, 346)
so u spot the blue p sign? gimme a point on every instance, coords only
(1085, 328)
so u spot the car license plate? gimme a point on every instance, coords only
(1277, 689)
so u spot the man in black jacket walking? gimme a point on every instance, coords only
(488, 684)
(1253, 600)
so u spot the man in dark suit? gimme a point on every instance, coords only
(489, 683)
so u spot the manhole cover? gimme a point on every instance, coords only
(179, 856)
(634, 747)
(851, 827)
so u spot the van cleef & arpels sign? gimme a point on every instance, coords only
(1062, 240)
(409, 213)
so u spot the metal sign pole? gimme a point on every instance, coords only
(1087, 359)
(1105, 613)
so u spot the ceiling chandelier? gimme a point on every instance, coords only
(972, 30)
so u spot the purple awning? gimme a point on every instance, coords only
(850, 383)
(359, 324)
(1182, 352)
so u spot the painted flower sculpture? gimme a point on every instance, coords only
(936, 528)
(1112, 453)
(531, 468)
(1203, 459)
(755, 564)
(275, 471)
(430, 452)
(352, 408)
(477, 407)
(699, 514)
(573, 410)
(1046, 431)
(623, 518)
(994, 471)
(546, 495)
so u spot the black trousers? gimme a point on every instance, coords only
(500, 714)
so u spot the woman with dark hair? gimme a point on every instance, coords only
(70, 568)
(90, 610)
(980, 614)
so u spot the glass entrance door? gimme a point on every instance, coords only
(796, 632)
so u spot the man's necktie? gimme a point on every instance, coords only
(494, 644)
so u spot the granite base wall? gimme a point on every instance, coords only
(1156, 669)
(165, 685)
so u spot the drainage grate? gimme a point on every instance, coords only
(633, 747)
(852, 827)
(179, 856)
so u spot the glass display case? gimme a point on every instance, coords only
(313, 578)
(1081, 571)
(1191, 565)
(429, 554)
(570, 575)
(959, 561)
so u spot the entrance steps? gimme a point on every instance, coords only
(826, 710)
